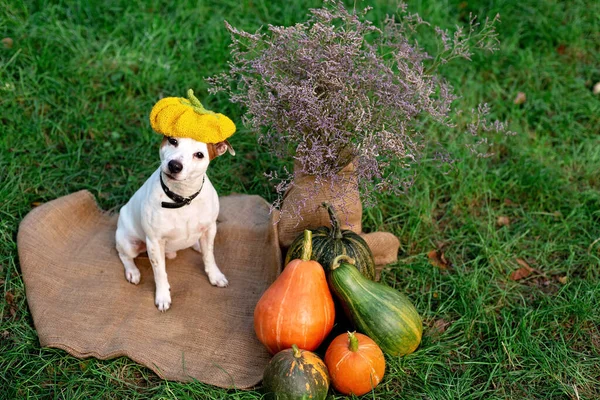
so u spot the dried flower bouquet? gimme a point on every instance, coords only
(345, 99)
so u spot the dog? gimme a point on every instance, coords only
(176, 208)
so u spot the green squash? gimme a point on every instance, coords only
(379, 311)
(295, 374)
(328, 243)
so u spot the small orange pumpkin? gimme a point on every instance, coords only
(355, 362)
(297, 308)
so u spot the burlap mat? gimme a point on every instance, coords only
(81, 302)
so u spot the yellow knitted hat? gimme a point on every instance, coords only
(187, 118)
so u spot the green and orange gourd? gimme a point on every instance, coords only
(379, 311)
(295, 374)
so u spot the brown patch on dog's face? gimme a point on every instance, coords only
(212, 151)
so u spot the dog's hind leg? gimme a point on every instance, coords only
(196, 247)
(156, 253)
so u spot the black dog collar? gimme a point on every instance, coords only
(179, 201)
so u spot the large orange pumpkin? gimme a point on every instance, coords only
(297, 308)
(355, 362)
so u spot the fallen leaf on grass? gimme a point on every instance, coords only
(521, 98)
(438, 259)
(10, 299)
(439, 326)
(522, 272)
(519, 274)
(7, 42)
(503, 220)
(563, 279)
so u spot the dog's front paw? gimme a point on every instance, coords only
(133, 276)
(217, 278)
(162, 300)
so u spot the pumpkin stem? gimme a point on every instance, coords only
(307, 246)
(341, 258)
(296, 351)
(196, 105)
(336, 231)
(352, 342)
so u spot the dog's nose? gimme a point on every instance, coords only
(175, 166)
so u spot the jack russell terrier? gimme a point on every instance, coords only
(176, 208)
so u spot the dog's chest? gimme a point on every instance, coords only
(186, 223)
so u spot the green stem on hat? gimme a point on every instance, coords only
(196, 105)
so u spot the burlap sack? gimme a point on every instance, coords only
(304, 195)
(81, 302)
(384, 246)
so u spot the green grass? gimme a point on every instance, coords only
(79, 82)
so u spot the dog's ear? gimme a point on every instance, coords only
(218, 149)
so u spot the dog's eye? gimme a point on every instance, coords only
(172, 141)
(199, 155)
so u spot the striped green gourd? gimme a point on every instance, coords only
(328, 243)
(295, 374)
(379, 311)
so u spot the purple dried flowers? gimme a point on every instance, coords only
(337, 89)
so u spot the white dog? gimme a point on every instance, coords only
(176, 208)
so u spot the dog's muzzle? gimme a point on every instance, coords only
(175, 166)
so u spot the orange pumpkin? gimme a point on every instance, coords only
(297, 307)
(355, 362)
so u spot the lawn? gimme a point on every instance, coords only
(76, 87)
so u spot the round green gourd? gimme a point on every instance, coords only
(328, 243)
(379, 311)
(295, 374)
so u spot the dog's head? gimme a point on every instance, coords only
(187, 159)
